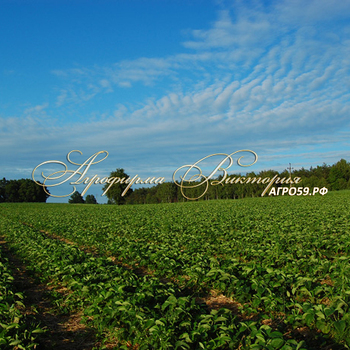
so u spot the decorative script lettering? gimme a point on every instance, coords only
(190, 176)
(62, 176)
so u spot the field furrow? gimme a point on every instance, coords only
(157, 275)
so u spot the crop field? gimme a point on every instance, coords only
(256, 273)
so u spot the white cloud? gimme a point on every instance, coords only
(36, 109)
(225, 33)
(301, 12)
(270, 77)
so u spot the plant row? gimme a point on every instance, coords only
(252, 249)
(16, 330)
(139, 311)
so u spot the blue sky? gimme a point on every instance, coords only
(159, 84)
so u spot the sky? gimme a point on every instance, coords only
(159, 84)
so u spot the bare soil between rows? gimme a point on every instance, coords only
(63, 332)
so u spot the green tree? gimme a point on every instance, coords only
(151, 197)
(114, 194)
(12, 191)
(167, 192)
(3, 190)
(339, 175)
(90, 199)
(23, 190)
(76, 198)
(138, 196)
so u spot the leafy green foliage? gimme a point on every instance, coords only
(77, 198)
(90, 199)
(15, 330)
(23, 190)
(115, 191)
(285, 261)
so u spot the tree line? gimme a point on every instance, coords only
(335, 177)
(23, 190)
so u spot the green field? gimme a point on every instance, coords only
(256, 273)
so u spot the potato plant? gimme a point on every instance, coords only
(285, 260)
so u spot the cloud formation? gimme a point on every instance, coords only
(263, 77)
